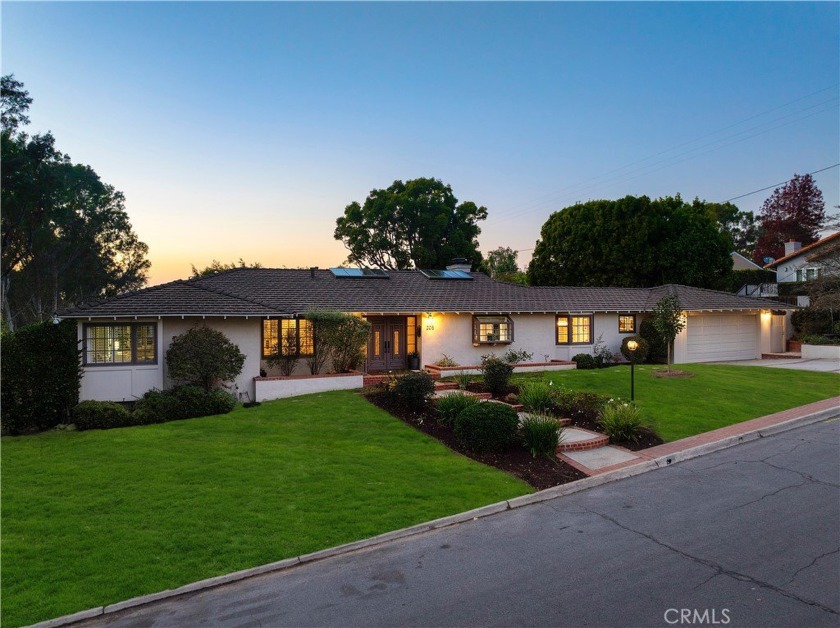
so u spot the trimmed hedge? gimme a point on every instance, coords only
(585, 361)
(487, 427)
(185, 402)
(412, 391)
(101, 415)
(41, 373)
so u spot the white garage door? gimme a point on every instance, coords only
(721, 337)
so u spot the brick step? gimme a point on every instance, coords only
(446, 385)
(579, 439)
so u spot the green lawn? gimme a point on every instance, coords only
(715, 397)
(91, 518)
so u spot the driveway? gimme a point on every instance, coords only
(821, 364)
(746, 536)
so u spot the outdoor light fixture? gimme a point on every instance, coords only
(632, 345)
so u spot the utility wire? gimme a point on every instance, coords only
(734, 198)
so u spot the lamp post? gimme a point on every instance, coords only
(632, 345)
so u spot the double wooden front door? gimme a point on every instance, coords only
(386, 347)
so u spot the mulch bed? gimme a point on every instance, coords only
(672, 374)
(541, 472)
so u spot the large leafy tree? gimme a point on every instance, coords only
(66, 237)
(418, 224)
(740, 225)
(501, 264)
(632, 242)
(795, 211)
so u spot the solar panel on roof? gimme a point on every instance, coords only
(360, 273)
(445, 274)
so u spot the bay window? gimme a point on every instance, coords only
(492, 330)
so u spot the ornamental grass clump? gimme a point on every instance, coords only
(537, 397)
(541, 433)
(622, 422)
(450, 406)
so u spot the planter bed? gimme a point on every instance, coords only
(541, 472)
(522, 367)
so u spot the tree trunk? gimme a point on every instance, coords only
(668, 358)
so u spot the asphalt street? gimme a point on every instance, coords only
(747, 536)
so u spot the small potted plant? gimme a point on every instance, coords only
(414, 361)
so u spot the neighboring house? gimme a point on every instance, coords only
(455, 312)
(805, 263)
(739, 262)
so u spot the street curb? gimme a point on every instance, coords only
(644, 466)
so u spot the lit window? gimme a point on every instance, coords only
(290, 336)
(411, 334)
(120, 344)
(574, 330)
(627, 324)
(492, 329)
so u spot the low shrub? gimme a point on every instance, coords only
(487, 427)
(621, 421)
(812, 321)
(412, 391)
(497, 374)
(537, 397)
(184, 402)
(640, 354)
(446, 361)
(603, 356)
(541, 434)
(585, 361)
(579, 405)
(450, 406)
(515, 357)
(101, 415)
(820, 340)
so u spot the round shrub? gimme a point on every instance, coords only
(585, 361)
(450, 406)
(101, 415)
(158, 406)
(497, 375)
(487, 427)
(541, 434)
(184, 402)
(638, 356)
(412, 391)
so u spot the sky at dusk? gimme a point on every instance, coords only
(244, 129)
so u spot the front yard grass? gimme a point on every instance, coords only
(715, 397)
(92, 518)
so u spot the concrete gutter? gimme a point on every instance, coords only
(728, 437)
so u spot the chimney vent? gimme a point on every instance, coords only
(312, 270)
(460, 263)
(792, 247)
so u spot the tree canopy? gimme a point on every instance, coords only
(631, 242)
(795, 211)
(215, 267)
(740, 225)
(501, 264)
(66, 237)
(419, 224)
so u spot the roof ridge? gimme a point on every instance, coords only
(123, 295)
(807, 247)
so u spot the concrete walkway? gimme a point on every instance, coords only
(748, 535)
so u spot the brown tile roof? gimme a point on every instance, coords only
(284, 292)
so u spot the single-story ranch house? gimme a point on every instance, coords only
(455, 312)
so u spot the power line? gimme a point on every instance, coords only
(734, 198)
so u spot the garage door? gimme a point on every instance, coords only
(721, 337)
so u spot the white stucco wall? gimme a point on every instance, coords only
(821, 352)
(120, 382)
(129, 382)
(451, 334)
(267, 389)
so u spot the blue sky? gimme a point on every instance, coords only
(244, 129)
